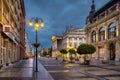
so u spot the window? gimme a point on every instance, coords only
(70, 38)
(80, 38)
(93, 36)
(75, 38)
(70, 44)
(112, 31)
(75, 45)
(83, 38)
(102, 34)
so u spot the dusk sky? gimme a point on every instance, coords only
(57, 15)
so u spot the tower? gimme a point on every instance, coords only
(91, 13)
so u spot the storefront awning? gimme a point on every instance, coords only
(11, 37)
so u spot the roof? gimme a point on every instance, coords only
(105, 7)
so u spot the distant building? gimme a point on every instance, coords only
(12, 31)
(56, 45)
(44, 50)
(28, 50)
(103, 30)
(71, 38)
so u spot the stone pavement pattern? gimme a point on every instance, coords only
(72, 71)
(24, 70)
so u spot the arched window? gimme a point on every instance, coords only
(112, 31)
(102, 34)
(75, 38)
(70, 38)
(93, 36)
(70, 44)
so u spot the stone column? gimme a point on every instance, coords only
(16, 52)
(73, 41)
(67, 41)
(97, 36)
(117, 51)
(89, 38)
(2, 45)
(106, 32)
(106, 52)
(117, 27)
(6, 43)
(97, 52)
(11, 52)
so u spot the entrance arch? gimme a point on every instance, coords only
(112, 51)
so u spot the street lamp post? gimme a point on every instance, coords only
(36, 27)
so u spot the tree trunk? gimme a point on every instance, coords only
(84, 58)
(70, 57)
(63, 58)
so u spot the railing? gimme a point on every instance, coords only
(107, 12)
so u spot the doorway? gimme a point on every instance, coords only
(112, 51)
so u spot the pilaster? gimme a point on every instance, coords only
(6, 43)
(97, 35)
(97, 52)
(106, 32)
(117, 51)
(11, 52)
(117, 27)
(106, 52)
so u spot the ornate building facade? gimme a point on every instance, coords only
(12, 29)
(71, 38)
(103, 30)
(28, 51)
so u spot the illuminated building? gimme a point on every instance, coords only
(71, 38)
(12, 31)
(103, 30)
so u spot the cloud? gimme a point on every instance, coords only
(57, 15)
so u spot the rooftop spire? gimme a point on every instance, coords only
(93, 1)
(92, 7)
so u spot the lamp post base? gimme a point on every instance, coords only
(36, 45)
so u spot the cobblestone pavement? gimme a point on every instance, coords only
(24, 70)
(19, 71)
(72, 71)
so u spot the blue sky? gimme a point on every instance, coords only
(57, 15)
